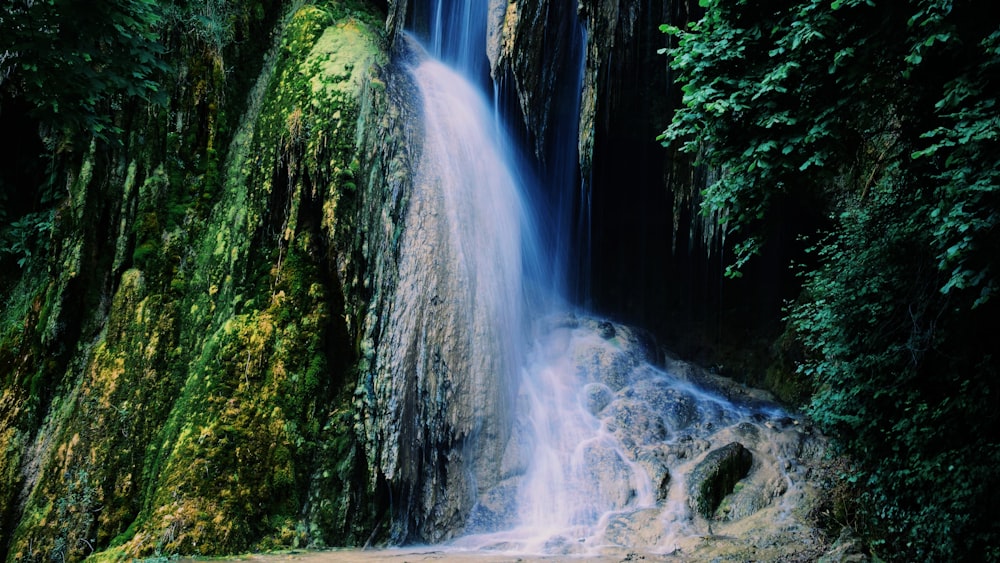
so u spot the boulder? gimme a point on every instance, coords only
(715, 476)
(655, 461)
(596, 396)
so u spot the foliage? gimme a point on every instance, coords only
(886, 115)
(19, 238)
(73, 66)
(75, 61)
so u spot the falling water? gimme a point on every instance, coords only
(592, 440)
(481, 205)
(569, 205)
(455, 34)
(456, 325)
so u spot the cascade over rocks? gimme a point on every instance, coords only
(599, 58)
(436, 389)
(657, 463)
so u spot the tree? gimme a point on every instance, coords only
(76, 62)
(886, 114)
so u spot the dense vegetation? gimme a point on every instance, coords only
(65, 67)
(885, 115)
(172, 356)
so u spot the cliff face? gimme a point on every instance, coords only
(646, 253)
(536, 43)
(178, 368)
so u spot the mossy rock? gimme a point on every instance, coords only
(716, 475)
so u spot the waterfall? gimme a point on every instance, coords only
(514, 422)
(446, 371)
(455, 35)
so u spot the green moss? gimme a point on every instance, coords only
(93, 474)
(245, 427)
(196, 416)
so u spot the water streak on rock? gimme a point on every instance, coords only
(448, 367)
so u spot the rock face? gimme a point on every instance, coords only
(439, 381)
(177, 369)
(538, 45)
(541, 44)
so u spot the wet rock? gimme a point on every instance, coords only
(655, 461)
(611, 361)
(745, 500)
(497, 509)
(748, 432)
(596, 396)
(606, 330)
(517, 454)
(564, 320)
(441, 376)
(686, 447)
(395, 17)
(636, 423)
(606, 364)
(643, 527)
(677, 409)
(606, 477)
(716, 475)
(561, 545)
(535, 43)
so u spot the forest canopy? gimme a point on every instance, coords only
(885, 115)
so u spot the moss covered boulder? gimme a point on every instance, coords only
(716, 475)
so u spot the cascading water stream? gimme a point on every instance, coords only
(569, 438)
(456, 35)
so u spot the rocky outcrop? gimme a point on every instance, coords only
(537, 45)
(395, 19)
(184, 378)
(541, 46)
(645, 461)
(442, 332)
